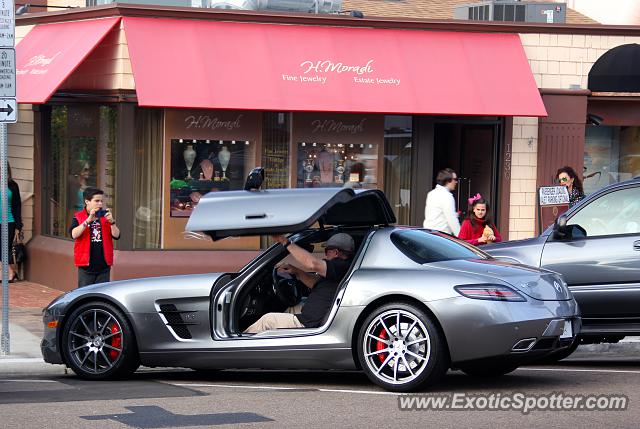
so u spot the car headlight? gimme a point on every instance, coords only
(489, 292)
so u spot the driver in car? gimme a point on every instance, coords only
(329, 271)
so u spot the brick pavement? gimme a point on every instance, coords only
(26, 294)
(26, 301)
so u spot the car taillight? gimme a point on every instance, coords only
(490, 292)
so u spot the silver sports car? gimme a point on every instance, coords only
(413, 304)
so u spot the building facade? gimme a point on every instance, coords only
(156, 133)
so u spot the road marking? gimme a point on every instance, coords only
(313, 389)
(29, 381)
(622, 371)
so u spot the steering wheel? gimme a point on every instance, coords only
(287, 291)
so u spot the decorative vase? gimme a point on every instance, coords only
(340, 171)
(224, 156)
(189, 156)
(308, 168)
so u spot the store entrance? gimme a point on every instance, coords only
(472, 151)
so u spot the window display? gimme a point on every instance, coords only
(611, 155)
(322, 165)
(81, 154)
(202, 166)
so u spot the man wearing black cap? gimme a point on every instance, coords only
(330, 270)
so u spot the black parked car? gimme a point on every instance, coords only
(596, 247)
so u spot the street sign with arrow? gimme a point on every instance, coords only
(8, 110)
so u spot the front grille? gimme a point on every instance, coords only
(175, 320)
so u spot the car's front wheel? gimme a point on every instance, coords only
(98, 342)
(401, 348)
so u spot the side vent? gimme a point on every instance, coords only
(175, 320)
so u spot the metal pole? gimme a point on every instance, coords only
(4, 343)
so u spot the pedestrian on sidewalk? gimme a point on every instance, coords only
(440, 208)
(14, 217)
(93, 229)
(478, 228)
(567, 177)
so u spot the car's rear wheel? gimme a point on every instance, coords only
(401, 348)
(98, 342)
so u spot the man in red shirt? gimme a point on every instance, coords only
(93, 229)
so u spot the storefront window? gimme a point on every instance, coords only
(205, 151)
(275, 149)
(202, 166)
(323, 165)
(82, 154)
(147, 174)
(337, 150)
(398, 136)
(612, 154)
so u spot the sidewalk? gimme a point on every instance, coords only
(26, 301)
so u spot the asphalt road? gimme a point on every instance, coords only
(273, 399)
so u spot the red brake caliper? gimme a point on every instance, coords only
(116, 341)
(381, 346)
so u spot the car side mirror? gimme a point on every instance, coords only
(560, 230)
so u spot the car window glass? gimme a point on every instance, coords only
(617, 212)
(424, 247)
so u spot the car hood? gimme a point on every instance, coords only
(280, 211)
(534, 282)
(147, 290)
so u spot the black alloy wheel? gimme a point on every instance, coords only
(98, 342)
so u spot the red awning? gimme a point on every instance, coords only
(49, 53)
(227, 65)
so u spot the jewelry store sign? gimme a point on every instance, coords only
(321, 72)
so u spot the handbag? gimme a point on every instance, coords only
(18, 250)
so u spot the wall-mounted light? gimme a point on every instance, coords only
(594, 119)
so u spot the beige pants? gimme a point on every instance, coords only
(271, 321)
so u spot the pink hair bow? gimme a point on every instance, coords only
(474, 199)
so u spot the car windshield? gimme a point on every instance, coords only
(425, 247)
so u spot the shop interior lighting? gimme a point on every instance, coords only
(180, 141)
(233, 142)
